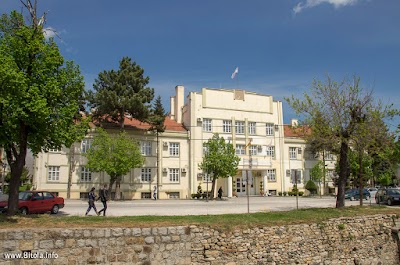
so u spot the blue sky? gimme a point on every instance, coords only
(280, 46)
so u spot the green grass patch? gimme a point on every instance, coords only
(222, 222)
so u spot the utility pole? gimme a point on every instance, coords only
(72, 164)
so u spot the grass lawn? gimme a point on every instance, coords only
(226, 221)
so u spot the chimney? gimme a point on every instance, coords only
(179, 102)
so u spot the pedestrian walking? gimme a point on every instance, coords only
(92, 198)
(155, 192)
(103, 196)
(220, 193)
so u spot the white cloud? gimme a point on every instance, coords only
(49, 33)
(312, 3)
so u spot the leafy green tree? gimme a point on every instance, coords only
(40, 94)
(156, 121)
(311, 186)
(114, 154)
(317, 173)
(334, 110)
(219, 159)
(121, 92)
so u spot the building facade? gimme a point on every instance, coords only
(273, 157)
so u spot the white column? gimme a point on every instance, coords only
(265, 182)
(229, 187)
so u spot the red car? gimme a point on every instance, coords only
(36, 202)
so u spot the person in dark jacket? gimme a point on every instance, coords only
(92, 198)
(103, 196)
(220, 193)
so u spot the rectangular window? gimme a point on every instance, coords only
(227, 126)
(145, 148)
(54, 173)
(240, 149)
(174, 149)
(253, 150)
(174, 174)
(330, 174)
(271, 151)
(55, 150)
(328, 155)
(86, 175)
(252, 128)
(207, 125)
(145, 175)
(296, 174)
(206, 177)
(271, 175)
(269, 129)
(239, 127)
(292, 153)
(85, 145)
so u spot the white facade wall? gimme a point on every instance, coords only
(219, 105)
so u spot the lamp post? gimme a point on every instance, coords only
(3, 177)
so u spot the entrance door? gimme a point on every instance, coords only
(240, 187)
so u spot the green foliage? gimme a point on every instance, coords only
(338, 115)
(157, 117)
(311, 187)
(220, 159)
(40, 95)
(121, 92)
(317, 172)
(114, 154)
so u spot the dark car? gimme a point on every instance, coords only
(36, 202)
(388, 196)
(354, 194)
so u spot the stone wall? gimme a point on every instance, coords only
(364, 240)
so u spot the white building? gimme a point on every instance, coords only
(251, 122)
(272, 155)
(58, 169)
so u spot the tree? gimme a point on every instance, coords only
(156, 121)
(334, 110)
(40, 94)
(114, 154)
(317, 173)
(311, 187)
(121, 92)
(219, 159)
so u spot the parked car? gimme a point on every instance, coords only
(36, 202)
(388, 196)
(354, 194)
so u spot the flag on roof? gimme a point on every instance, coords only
(235, 72)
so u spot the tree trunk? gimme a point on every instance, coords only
(117, 188)
(212, 188)
(72, 164)
(112, 181)
(16, 161)
(361, 178)
(343, 173)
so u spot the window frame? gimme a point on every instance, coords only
(53, 173)
(146, 148)
(241, 148)
(174, 175)
(269, 129)
(239, 127)
(252, 128)
(271, 175)
(292, 153)
(174, 149)
(86, 174)
(227, 126)
(207, 125)
(145, 174)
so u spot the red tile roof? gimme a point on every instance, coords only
(300, 131)
(170, 125)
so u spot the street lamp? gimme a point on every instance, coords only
(3, 177)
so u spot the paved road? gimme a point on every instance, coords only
(201, 207)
